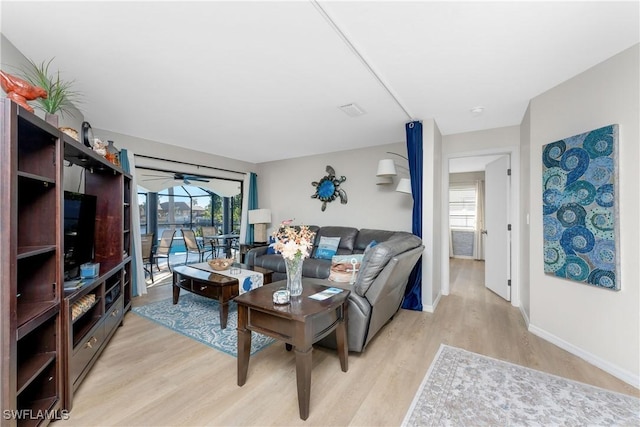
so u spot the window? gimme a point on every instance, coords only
(462, 206)
(188, 206)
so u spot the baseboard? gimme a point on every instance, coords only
(432, 308)
(524, 315)
(597, 361)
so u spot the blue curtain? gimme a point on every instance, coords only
(253, 202)
(413, 293)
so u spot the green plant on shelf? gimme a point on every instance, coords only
(61, 97)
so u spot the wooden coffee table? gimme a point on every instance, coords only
(212, 285)
(299, 324)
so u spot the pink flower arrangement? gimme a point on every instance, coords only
(293, 242)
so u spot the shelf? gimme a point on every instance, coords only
(37, 349)
(85, 310)
(36, 147)
(82, 156)
(29, 369)
(40, 406)
(35, 122)
(85, 322)
(36, 212)
(36, 178)
(41, 393)
(80, 329)
(111, 297)
(29, 251)
(33, 314)
(111, 286)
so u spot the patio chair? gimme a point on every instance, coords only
(147, 253)
(217, 245)
(164, 247)
(192, 245)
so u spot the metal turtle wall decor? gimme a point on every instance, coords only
(328, 188)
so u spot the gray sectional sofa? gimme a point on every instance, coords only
(378, 290)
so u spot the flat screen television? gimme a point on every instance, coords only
(79, 229)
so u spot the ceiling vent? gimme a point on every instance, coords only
(353, 110)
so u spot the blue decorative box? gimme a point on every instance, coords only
(89, 270)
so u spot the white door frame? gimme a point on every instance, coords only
(514, 152)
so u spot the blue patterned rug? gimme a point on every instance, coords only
(198, 318)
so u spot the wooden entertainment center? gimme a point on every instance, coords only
(46, 351)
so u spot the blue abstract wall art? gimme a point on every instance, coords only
(580, 210)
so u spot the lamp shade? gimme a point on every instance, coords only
(404, 186)
(386, 167)
(260, 216)
(385, 180)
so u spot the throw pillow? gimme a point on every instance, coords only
(343, 266)
(370, 245)
(327, 247)
(271, 250)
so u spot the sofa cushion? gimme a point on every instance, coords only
(347, 237)
(377, 257)
(273, 262)
(327, 247)
(314, 267)
(342, 267)
(366, 236)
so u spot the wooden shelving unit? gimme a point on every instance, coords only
(30, 266)
(45, 354)
(86, 337)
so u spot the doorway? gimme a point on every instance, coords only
(450, 162)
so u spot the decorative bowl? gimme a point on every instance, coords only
(221, 264)
(71, 132)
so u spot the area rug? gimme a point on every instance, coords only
(198, 318)
(466, 389)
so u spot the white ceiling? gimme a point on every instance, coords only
(262, 81)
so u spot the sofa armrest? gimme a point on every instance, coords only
(394, 277)
(387, 290)
(250, 257)
(375, 259)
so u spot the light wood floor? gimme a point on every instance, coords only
(149, 375)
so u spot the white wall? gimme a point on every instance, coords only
(480, 141)
(432, 215)
(13, 61)
(525, 209)
(284, 186)
(147, 147)
(600, 325)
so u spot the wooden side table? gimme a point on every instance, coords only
(299, 324)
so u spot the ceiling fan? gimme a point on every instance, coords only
(180, 176)
(186, 178)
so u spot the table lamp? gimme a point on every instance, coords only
(260, 218)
